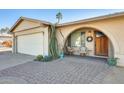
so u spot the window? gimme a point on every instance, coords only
(83, 39)
(78, 39)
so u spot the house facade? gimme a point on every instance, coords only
(101, 36)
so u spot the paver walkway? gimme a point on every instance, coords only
(70, 70)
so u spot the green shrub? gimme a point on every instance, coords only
(43, 58)
(39, 58)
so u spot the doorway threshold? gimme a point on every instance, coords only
(100, 56)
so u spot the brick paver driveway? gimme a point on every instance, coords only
(70, 70)
(7, 59)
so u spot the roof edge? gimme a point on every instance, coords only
(93, 19)
(29, 19)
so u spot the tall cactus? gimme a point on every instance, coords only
(53, 43)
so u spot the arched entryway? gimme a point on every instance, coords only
(90, 42)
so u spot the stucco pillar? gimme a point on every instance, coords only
(120, 61)
(45, 42)
(13, 44)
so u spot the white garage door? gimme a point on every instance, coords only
(30, 44)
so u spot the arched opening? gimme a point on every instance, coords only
(89, 42)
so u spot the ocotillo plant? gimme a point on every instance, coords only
(53, 44)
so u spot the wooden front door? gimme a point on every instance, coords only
(101, 46)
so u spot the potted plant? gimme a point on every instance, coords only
(112, 61)
(61, 55)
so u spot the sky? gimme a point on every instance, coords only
(9, 16)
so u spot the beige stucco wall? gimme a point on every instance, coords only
(90, 45)
(27, 27)
(112, 27)
(25, 24)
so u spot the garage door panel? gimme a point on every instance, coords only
(30, 44)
